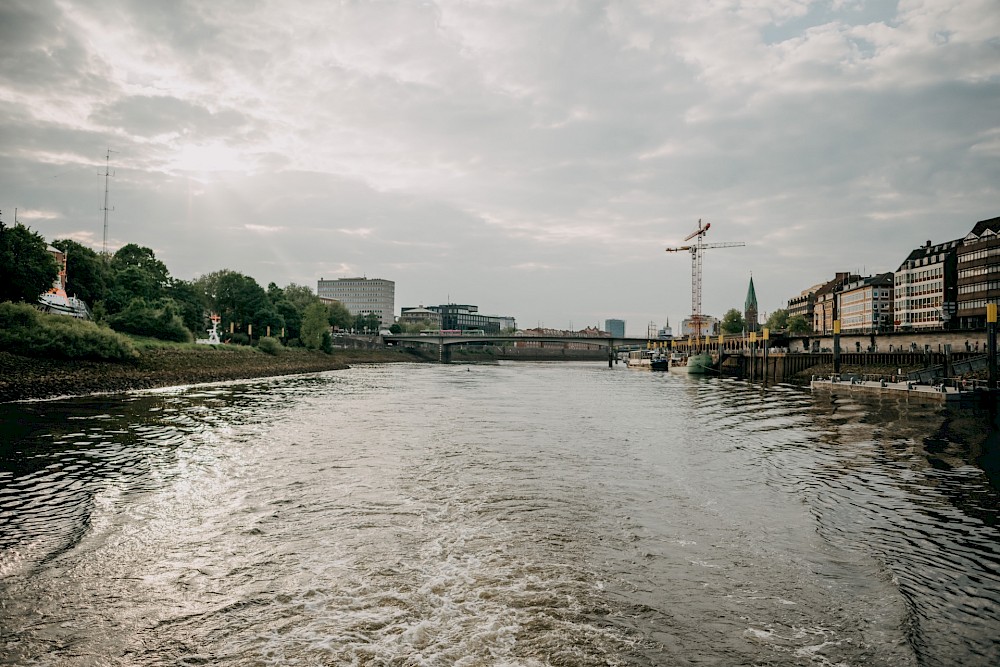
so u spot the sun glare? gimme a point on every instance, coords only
(208, 159)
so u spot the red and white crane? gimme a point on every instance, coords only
(696, 249)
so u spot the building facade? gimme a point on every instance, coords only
(978, 273)
(422, 316)
(825, 304)
(615, 327)
(804, 304)
(465, 317)
(362, 296)
(709, 326)
(926, 288)
(865, 305)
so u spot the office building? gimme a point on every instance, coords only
(362, 296)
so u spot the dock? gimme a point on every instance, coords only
(905, 389)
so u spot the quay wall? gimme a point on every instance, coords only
(899, 341)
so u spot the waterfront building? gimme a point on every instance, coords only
(978, 273)
(926, 288)
(615, 327)
(825, 305)
(465, 317)
(424, 317)
(362, 296)
(709, 326)
(865, 305)
(750, 319)
(804, 304)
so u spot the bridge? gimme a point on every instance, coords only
(445, 342)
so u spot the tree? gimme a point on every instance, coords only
(371, 322)
(27, 269)
(87, 272)
(189, 303)
(395, 329)
(135, 274)
(778, 320)
(267, 317)
(234, 296)
(314, 325)
(798, 324)
(339, 316)
(732, 322)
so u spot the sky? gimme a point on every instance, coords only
(534, 158)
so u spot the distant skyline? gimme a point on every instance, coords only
(532, 158)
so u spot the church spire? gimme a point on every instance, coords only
(750, 308)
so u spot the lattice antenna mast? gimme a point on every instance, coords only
(107, 175)
(696, 249)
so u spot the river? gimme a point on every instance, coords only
(516, 514)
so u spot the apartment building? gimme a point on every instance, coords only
(865, 305)
(825, 303)
(926, 288)
(978, 273)
(362, 296)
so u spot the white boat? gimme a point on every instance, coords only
(639, 359)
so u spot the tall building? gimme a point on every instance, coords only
(750, 309)
(978, 273)
(362, 296)
(926, 288)
(615, 327)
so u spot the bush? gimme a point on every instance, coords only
(28, 332)
(270, 345)
(236, 338)
(142, 319)
(326, 344)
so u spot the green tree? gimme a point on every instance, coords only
(396, 329)
(266, 317)
(234, 296)
(732, 322)
(371, 322)
(27, 269)
(798, 324)
(87, 272)
(189, 304)
(135, 274)
(778, 320)
(314, 325)
(339, 316)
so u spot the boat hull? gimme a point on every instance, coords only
(696, 364)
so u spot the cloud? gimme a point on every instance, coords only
(467, 148)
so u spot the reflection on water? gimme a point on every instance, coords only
(520, 514)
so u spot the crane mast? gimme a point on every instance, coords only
(696, 249)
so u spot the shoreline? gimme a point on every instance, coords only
(29, 378)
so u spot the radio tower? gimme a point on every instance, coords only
(107, 175)
(696, 250)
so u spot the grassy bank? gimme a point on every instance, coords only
(165, 365)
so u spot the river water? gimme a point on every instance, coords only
(518, 514)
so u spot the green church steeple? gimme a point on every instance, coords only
(750, 308)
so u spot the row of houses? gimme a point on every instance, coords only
(942, 286)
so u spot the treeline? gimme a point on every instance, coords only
(133, 292)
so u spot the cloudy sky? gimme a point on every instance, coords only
(534, 158)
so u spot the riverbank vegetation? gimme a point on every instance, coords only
(132, 292)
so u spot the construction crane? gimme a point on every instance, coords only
(696, 249)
